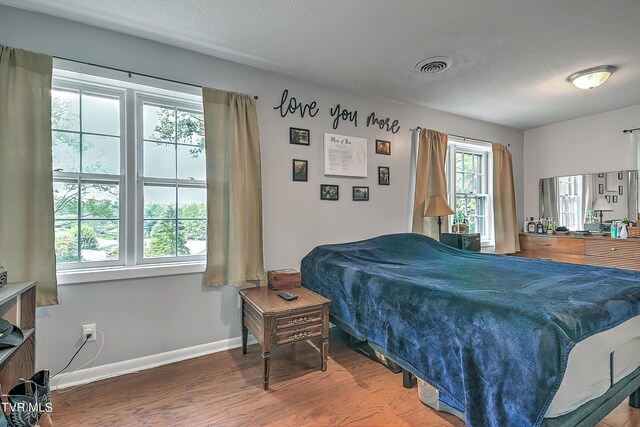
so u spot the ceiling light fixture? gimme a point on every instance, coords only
(593, 77)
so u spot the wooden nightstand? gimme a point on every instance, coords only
(274, 321)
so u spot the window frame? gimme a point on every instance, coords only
(458, 145)
(131, 263)
(141, 98)
(574, 182)
(94, 88)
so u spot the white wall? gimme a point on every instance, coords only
(584, 145)
(147, 316)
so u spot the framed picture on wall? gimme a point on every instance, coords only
(300, 170)
(600, 188)
(614, 199)
(607, 198)
(620, 176)
(328, 192)
(601, 175)
(383, 147)
(383, 175)
(299, 136)
(360, 194)
(620, 190)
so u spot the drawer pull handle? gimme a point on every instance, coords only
(299, 320)
(613, 249)
(299, 335)
(543, 244)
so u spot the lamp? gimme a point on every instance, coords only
(601, 205)
(438, 207)
(592, 77)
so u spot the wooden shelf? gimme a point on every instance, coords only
(18, 306)
(5, 353)
(11, 290)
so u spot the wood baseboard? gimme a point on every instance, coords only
(96, 373)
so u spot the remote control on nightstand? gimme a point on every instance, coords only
(287, 296)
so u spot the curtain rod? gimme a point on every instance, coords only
(464, 138)
(630, 130)
(133, 73)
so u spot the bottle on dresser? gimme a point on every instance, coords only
(623, 233)
(540, 226)
(530, 225)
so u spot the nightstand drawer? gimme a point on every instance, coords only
(299, 319)
(293, 335)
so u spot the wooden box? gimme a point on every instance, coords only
(284, 279)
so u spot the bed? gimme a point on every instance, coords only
(494, 335)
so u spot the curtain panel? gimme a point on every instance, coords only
(27, 248)
(505, 221)
(234, 189)
(430, 180)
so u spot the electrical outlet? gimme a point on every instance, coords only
(90, 331)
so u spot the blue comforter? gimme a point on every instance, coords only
(492, 333)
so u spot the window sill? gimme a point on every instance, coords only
(90, 275)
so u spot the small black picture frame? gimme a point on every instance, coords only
(300, 170)
(600, 188)
(360, 194)
(383, 147)
(620, 176)
(383, 175)
(607, 198)
(614, 199)
(620, 190)
(329, 192)
(601, 175)
(299, 136)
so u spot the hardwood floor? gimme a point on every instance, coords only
(225, 389)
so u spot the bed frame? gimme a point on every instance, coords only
(587, 415)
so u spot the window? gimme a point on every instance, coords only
(469, 183)
(570, 201)
(87, 139)
(173, 180)
(128, 160)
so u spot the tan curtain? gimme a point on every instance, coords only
(430, 179)
(234, 189)
(504, 202)
(26, 178)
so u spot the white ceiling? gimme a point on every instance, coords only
(510, 57)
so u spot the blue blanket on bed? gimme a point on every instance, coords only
(492, 333)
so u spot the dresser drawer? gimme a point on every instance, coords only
(613, 253)
(565, 245)
(612, 261)
(299, 319)
(297, 334)
(553, 256)
(629, 249)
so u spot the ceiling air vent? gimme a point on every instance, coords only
(434, 65)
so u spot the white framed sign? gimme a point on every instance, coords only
(345, 155)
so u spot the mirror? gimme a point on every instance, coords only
(569, 200)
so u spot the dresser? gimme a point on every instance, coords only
(591, 250)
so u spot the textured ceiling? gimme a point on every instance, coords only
(510, 57)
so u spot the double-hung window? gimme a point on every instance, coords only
(570, 201)
(129, 173)
(173, 179)
(469, 182)
(88, 140)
